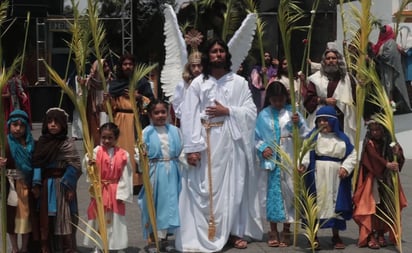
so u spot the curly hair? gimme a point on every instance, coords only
(341, 62)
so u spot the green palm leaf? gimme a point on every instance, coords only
(140, 72)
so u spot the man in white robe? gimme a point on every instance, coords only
(221, 100)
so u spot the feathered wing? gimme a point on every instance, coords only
(176, 54)
(180, 3)
(241, 42)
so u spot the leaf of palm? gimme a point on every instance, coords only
(140, 72)
(4, 77)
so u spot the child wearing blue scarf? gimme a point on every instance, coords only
(19, 149)
(329, 171)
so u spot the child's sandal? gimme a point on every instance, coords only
(273, 240)
(285, 239)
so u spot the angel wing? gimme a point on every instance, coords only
(241, 42)
(176, 53)
(181, 4)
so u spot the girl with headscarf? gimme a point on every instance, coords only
(57, 168)
(391, 73)
(371, 200)
(328, 173)
(18, 149)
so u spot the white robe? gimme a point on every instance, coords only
(236, 205)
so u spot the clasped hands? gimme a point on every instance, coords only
(216, 110)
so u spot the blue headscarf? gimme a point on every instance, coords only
(21, 155)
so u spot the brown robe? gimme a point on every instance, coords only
(372, 166)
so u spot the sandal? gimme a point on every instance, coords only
(337, 243)
(382, 241)
(273, 240)
(237, 242)
(285, 239)
(373, 244)
(151, 248)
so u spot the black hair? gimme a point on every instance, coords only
(119, 70)
(282, 71)
(111, 127)
(153, 103)
(274, 89)
(206, 59)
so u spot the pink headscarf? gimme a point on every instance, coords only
(384, 36)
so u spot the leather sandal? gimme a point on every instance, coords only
(373, 244)
(273, 240)
(284, 239)
(237, 242)
(382, 241)
(337, 243)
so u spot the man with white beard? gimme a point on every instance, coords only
(332, 85)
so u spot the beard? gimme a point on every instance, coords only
(218, 64)
(332, 72)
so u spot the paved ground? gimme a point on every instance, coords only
(137, 244)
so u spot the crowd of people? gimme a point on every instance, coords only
(217, 170)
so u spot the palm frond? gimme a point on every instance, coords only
(98, 33)
(289, 14)
(140, 72)
(91, 229)
(398, 15)
(3, 11)
(4, 77)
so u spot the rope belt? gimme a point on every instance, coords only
(14, 174)
(155, 160)
(212, 226)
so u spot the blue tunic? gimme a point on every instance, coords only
(163, 154)
(274, 128)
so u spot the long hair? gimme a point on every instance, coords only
(206, 59)
(341, 62)
(274, 89)
(119, 70)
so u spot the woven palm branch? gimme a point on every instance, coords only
(385, 118)
(93, 172)
(4, 77)
(140, 72)
(289, 14)
(306, 53)
(356, 60)
(98, 36)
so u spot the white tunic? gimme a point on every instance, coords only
(236, 205)
(326, 174)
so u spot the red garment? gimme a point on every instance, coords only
(372, 166)
(20, 90)
(383, 37)
(111, 170)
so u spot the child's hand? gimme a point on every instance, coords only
(392, 166)
(301, 169)
(69, 195)
(342, 173)
(193, 158)
(396, 149)
(295, 118)
(267, 153)
(3, 161)
(91, 162)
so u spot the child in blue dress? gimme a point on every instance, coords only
(164, 146)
